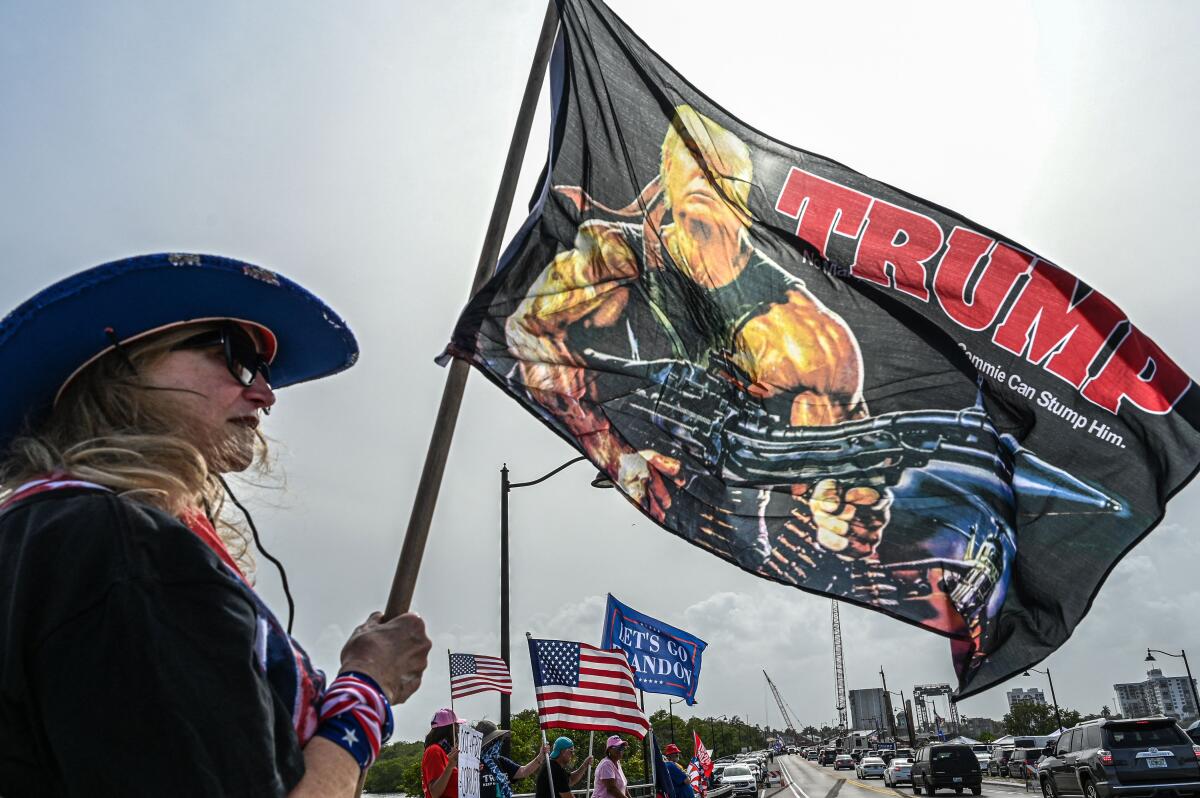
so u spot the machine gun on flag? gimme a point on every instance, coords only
(710, 419)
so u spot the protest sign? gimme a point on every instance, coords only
(470, 746)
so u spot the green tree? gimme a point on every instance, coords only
(398, 769)
(986, 737)
(1028, 718)
(1070, 718)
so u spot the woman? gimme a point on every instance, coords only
(610, 776)
(439, 778)
(135, 656)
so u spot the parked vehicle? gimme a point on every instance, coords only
(946, 767)
(999, 764)
(870, 767)
(843, 762)
(1023, 760)
(1105, 758)
(898, 771)
(740, 779)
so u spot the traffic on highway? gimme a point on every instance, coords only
(1096, 759)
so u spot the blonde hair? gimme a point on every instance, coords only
(722, 155)
(110, 428)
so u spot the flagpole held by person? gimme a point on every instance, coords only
(130, 391)
(591, 753)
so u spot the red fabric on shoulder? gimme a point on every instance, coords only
(198, 522)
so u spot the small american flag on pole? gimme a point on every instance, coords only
(584, 687)
(475, 673)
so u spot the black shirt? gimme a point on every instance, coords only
(562, 781)
(487, 782)
(127, 660)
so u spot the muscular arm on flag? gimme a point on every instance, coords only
(584, 286)
(802, 349)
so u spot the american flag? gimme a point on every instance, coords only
(475, 673)
(584, 687)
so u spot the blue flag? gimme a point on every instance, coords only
(664, 659)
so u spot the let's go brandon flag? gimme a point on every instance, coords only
(823, 379)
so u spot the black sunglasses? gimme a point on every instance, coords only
(242, 357)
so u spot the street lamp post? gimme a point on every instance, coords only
(601, 481)
(671, 702)
(1191, 682)
(908, 722)
(1057, 714)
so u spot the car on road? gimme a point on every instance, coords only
(843, 762)
(1023, 760)
(946, 766)
(1105, 758)
(759, 773)
(904, 753)
(826, 757)
(740, 779)
(898, 771)
(870, 767)
(999, 764)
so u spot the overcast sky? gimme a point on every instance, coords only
(357, 148)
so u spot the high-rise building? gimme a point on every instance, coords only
(1020, 695)
(867, 709)
(1158, 695)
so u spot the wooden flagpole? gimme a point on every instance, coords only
(405, 580)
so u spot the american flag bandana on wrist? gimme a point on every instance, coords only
(355, 715)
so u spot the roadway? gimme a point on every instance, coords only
(804, 779)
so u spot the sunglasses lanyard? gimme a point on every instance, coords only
(258, 543)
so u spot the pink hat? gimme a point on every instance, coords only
(615, 742)
(443, 717)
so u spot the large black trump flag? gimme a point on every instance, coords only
(820, 378)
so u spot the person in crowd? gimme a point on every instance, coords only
(562, 756)
(136, 657)
(439, 774)
(496, 771)
(679, 779)
(610, 777)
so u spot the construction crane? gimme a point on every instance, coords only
(787, 719)
(839, 669)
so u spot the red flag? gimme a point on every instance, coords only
(703, 757)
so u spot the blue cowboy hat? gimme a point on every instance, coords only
(46, 341)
